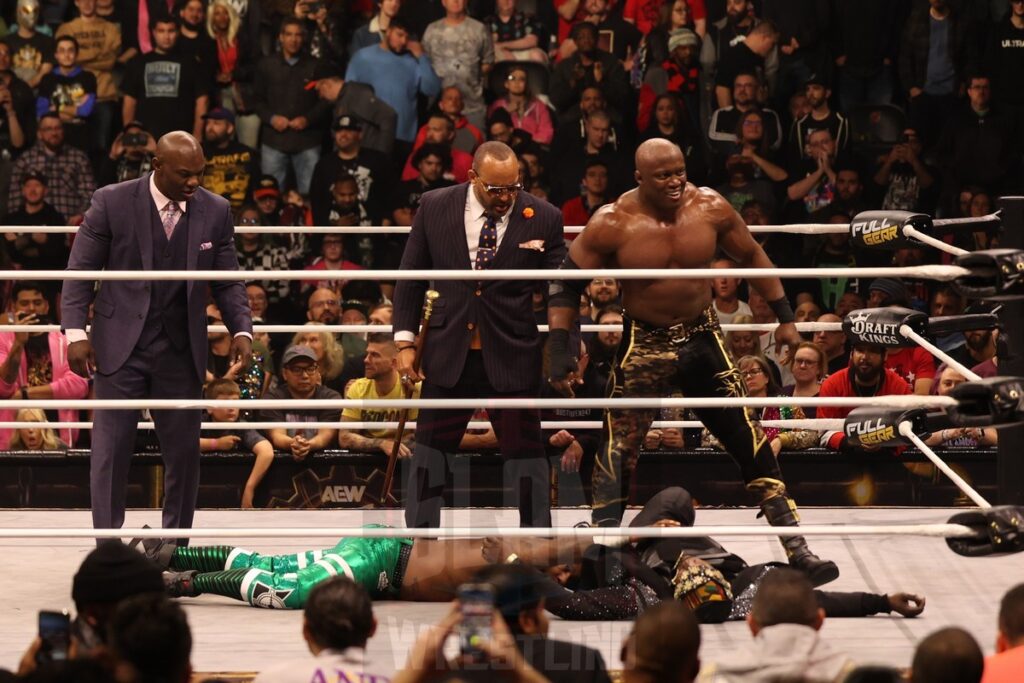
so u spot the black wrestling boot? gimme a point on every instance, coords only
(181, 584)
(781, 511)
(157, 550)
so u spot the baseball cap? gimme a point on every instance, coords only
(682, 37)
(266, 187)
(133, 124)
(346, 122)
(293, 353)
(34, 175)
(816, 79)
(355, 305)
(220, 114)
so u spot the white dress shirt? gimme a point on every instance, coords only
(474, 217)
(161, 201)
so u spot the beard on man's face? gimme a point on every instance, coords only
(978, 342)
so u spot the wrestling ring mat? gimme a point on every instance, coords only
(43, 549)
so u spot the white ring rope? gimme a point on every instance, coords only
(608, 535)
(816, 424)
(931, 272)
(362, 329)
(795, 228)
(968, 374)
(907, 430)
(911, 231)
(908, 401)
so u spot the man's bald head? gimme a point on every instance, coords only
(657, 151)
(661, 173)
(178, 165)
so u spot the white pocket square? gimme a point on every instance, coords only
(205, 245)
(535, 245)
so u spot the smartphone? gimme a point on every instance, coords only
(55, 632)
(313, 7)
(476, 601)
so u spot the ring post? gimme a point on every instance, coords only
(1010, 465)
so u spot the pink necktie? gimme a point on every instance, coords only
(170, 218)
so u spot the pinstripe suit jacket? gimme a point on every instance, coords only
(502, 309)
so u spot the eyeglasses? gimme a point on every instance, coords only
(499, 190)
(249, 221)
(752, 373)
(304, 370)
(804, 361)
(512, 77)
(322, 304)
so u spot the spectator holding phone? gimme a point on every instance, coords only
(130, 156)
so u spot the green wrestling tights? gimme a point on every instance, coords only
(284, 581)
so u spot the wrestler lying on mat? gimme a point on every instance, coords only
(585, 581)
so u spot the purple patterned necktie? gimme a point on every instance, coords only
(488, 243)
(170, 218)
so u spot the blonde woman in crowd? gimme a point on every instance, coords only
(41, 438)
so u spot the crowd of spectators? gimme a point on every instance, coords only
(126, 629)
(345, 113)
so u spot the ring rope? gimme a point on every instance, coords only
(929, 272)
(599, 534)
(317, 327)
(816, 424)
(968, 374)
(907, 430)
(798, 228)
(911, 231)
(907, 401)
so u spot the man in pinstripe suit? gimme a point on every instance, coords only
(483, 340)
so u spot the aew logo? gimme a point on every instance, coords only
(874, 232)
(883, 334)
(871, 432)
(342, 494)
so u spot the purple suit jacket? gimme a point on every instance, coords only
(115, 235)
(503, 309)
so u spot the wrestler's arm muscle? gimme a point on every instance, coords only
(595, 247)
(735, 239)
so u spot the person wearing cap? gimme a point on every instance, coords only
(163, 90)
(349, 98)
(300, 376)
(131, 155)
(293, 118)
(429, 161)
(866, 376)
(912, 363)
(818, 93)
(35, 210)
(67, 168)
(232, 168)
(679, 74)
(398, 71)
(371, 169)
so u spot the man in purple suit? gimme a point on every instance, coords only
(148, 338)
(483, 340)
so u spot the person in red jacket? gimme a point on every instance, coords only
(866, 376)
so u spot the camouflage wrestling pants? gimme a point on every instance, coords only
(651, 361)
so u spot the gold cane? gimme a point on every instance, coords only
(389, 474)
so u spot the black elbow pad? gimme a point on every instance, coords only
(565, 293)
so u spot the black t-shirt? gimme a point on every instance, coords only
(736, 60)
(166, 88)
(374, 176)
(52, 254)
(231, 172)
(299, 415)
(29, 54)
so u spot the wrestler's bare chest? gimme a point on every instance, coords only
(689, 242)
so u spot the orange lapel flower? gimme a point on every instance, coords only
(528, 212)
